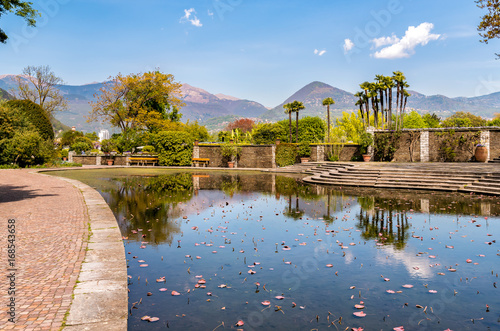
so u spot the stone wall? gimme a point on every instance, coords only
(99, 160)
(252, 156)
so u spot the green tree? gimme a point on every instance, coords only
(25, 148)
(431, 121)
(39, 85)
(20, 8)
(288, 110)
(311, 129)
(296, 107)
(413, 120)
(464, 119)
(327, 102)
(348, 128)
(139, 101)
(33, 114)
(490, 23)
(174, 148)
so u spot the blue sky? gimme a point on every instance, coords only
(262, 50)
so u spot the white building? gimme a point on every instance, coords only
(103, 134)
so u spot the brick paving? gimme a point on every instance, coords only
(51, 240)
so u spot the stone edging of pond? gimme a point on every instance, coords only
(100, 297)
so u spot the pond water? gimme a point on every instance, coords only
(206, 250)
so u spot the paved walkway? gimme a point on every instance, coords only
(51, 238)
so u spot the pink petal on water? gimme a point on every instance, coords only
(359, 306)
(240, 323)
(407, 286)
(329, 265)
(198, 276)
(359, 314)
(145, 318)
(279, 297)
(386, 279)
(390, 291)
(266, 303)
(251, 272)
(175, 293)
(468, 261)
(433, 291)
(198, 257)
(143, 265)
(154, 319)
(163, 289)
(399, 328)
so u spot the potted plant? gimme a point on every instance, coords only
(304, 152)
(481, 153)
(64, 154)
(365, 141)
(231, 152)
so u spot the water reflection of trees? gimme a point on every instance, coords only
(388, 226)
(149, 203)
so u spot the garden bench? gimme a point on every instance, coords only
(143, 160)
(200, 161)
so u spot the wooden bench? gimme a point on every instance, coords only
(197, 161)
(143, 160)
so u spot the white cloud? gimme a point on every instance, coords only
(211, 14)
(405, 47)
(319, 53)
(348, 45)
(383, 41)
(187, 18)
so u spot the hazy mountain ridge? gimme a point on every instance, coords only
(203, 106)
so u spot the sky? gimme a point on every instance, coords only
(260, 50)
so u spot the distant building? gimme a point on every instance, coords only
(103, 134)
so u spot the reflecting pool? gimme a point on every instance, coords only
(227, 250)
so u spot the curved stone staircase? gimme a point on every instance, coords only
(436, 177)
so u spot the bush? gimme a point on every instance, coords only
(26, 148)
(230, 151)
(108, 145)
(174, 148)
(304, 149)
(80, 147)
(69, 137)
(311, 129)
(286, 154)
(365, 140)
(64, 152)
(34, 114)
(148, 149)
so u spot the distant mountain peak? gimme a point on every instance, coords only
(226, 97)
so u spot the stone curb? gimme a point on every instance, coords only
(100, 298)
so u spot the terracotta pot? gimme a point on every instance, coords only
(64, 159)
(481, 154)
(366, 157)
(230, 164)
(304, 159)
(110, 162)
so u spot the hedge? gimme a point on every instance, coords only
(174, 148)
(34, 114)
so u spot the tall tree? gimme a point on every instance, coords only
(39, 84)
(490, 24)
(365, 86)
(327, 102)
(20, 8)
(138, 101)
(361, 102)
(389, 83)
(288, 110)
(296, 107)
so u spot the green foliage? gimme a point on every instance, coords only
(197, 131)
(129, 140)
(68, 137)
(81, 146)
(108, 145)
(431, 121)
(494, 122)
(365, 141)
(386, 145)
(174, 148)
(26, 148)
(92, 136)
(34, 114)
(266, 133)
(230, 151)
(311, 129)
(413, 120)
(304, 149)
(347, 128)
(22, 9)
(462, 119)
(148, 149)
(64, 152)
(286, 154)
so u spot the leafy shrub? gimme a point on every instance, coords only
(34, 114)
(174, 148)
(286, 154)
(26, 148)
(304, 149)
(108, 145)
(69, 137)
(230, 151)
(311, 129)
(148, 149)
(365, 141)
(64, 152)
(81, 146)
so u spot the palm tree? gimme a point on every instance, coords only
(399, 79)
(296, 107)
(366, 87)
(360, 103)
(327, 102)
(288, 110)
(381, 87)
(389, 83)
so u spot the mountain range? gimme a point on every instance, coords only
(204, 106)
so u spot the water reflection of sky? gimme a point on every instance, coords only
(232, 221)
